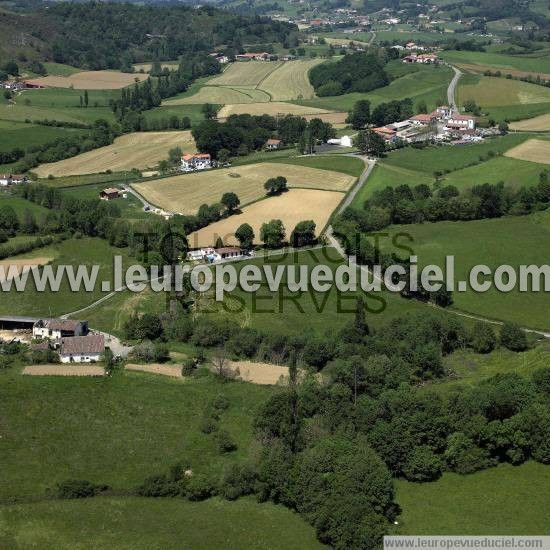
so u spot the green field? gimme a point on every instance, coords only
(180, 111)
(506, 500)
(21, 112)
(85, 251)
(352, 166)
(117, 430)
(144, 524)
(20, 205)
(428, 84)
(500, 62)
(513, 240)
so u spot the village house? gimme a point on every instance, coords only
(220, 58)
(272, 144)
(422, 119)
(197, 161)
(414, 46)
(425, 58)
(441, 112)
(55, 329)
(229, 252)
(82, 349)
(109, 194)
(12, 179)
(461, 122)
(261, 56)
(388, 134)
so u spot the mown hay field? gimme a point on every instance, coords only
(491, 91)
(533, 150)
(20, 265)
(220, 95)
(92, 80)
(290, 81)
(273, 108)
(260, 373)
(137, 150)
(64, 370)
(245, 73)
(291, 207)
(185, 193)
(537, 124)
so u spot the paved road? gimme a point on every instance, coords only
(128, 189)
(451, 90)
(360, 182)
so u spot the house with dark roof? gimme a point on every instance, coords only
(82, 349)
(55, 329)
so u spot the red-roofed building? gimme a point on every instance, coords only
(461, 122)
(198, 161)
(422, 119)
(272, 144)
(389, 134)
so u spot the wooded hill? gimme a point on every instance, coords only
(97, 35)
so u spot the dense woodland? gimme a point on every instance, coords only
(97, 35)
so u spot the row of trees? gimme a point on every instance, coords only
(384, 113)
(404, 204)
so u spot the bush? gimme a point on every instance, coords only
(221, 402)
(238, 480)
(158, 486)
(423, 465)
(208, 424)
(200, 487)
(224, 442)
(513, 338)
(79, 488)
(189, 367)
(484, 339)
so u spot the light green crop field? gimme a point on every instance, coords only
(59, 69)
(513, 64)
(143, 524)
(221, 95)
(20, 205)
(245, 73)
(290, 81)
(506, 500)
(117, 430)
(489, 91)
(428, 84)
(21, 112)
(512, 240)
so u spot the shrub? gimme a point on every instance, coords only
(484, 339)
(513, 338)
(158, 485)
(79, 488)
(221, 402)
(238, 480)
(423, 465)
(200, 487)
(208, 425)
(225, 442)
(189, 367)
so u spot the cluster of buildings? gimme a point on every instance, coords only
(71, 339)
(17, 85)
(257, 56)
(427, 58)
(12, 179)
(440, 124)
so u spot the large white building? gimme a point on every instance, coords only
(197, 161)
(461, 122)
(82, 349)
(55, 329)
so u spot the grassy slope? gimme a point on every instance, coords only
(86, 251)
(507, 500)
(143, 524)
(20, 205)
(117, 430)
(518, 240)
(498, 61)
(348, 165)
(427, 84)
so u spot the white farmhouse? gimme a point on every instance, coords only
(461, 122)
(55, 329)
(198, 161)
(82, 349)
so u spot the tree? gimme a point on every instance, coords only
(303, 234)
(370, 142)
(484, 339)
(8, 219)
(512, 337)
(209, 111)
(223, 156)
(421, 107)
(28, 225)
(230, 201)
(221, 364)
(359, 116)
(423, 465)
(86, 98)
(272, 233)
(12, 68)
(245, 236)
(174, 155)
(276, 186)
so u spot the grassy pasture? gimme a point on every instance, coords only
(539, 123)
(136, 150)
(59, 69)
(20, 205)
(249, 73)
(272, 108)
(117, 431)
(187, 192)
(193, 112)
(498, 501)
(353, 166)
(491, 91)
(291, 207)
(92, 80)
(144, 524)
(533, 150)
(67, 97)
(514, 241)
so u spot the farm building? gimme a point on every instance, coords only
(422, 58)
(229, 252)
(272, 144)
(12, 179)
(422, 119)
(258, 56)
(461, 122)
(220, 58)
(443, 111)
(82, 349)
(344, 141)
(198, 161)
(109, 194)
(389, 134)
(54, 329)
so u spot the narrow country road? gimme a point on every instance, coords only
(360, 182)
(146, 204)
(451, 90)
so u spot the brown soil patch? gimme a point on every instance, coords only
(166, 370)
(21, 265)
(536, 124)
(533, 150)
(260, 373)
(64, 370)
(92, 80)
